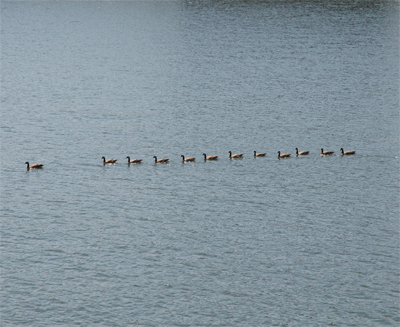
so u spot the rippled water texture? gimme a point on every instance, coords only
(304, 241)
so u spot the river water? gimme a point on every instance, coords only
(304, 241)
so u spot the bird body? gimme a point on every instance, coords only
(163, 160)
(210, 157)
(301, 153)
(108, 161)
(326, 153)
(191, 159)
(133, 161)
(347, 153)
(34, 166)
(259, 154)
(235, 156)
(283, 155)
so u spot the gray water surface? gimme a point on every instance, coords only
(305, 241)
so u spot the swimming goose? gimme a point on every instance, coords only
(163, 160)
(34, 166)
(235, 156)
(210, 157)
(133, 161)
(326, 153)
(108, 161)
(347, 153)
(187, 159)
(302, 153)
(259, 154)
(283, 155)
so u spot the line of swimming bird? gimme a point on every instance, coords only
(191, 159)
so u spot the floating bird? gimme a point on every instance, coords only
(210, 157)
(302, 153)
(187, 159)
(34, 166)
(347, 153)
(108, 161)
(283, 155)
(163, 160)
(134, 161)
(235, 156)
(326, 153)
(259, 154)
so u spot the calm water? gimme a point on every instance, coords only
(307, 241)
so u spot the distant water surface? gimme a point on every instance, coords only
(305, 241)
